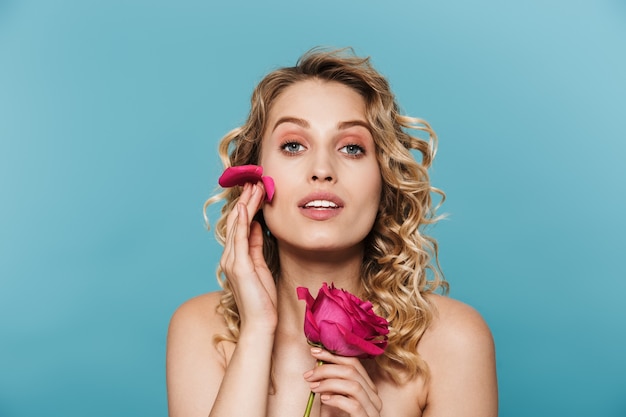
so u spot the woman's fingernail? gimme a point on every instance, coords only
(314, 385)
(316, 350)
(307, 374)
(325, 397)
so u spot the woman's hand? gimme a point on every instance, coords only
(343, 383)
(243, 264)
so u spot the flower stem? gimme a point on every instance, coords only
(309, 403)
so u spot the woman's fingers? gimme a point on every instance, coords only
(344, 383)
(251, 197)
(350, 405)
(255, 201)
(334, 381)
(242, 231)
(326, 356)
(243, 264)
(256, 254)
(243, 198)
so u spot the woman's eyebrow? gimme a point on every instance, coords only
(295, 120)
(351, 123)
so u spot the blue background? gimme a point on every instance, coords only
(110, 113)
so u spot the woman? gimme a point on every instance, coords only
(350, 206)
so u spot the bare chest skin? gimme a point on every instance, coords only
(292, 360)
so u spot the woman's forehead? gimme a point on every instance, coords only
(312, 100)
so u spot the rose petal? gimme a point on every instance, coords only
(241, 174)
(367, 347)
(268, 183)
(311, 329)
(327, 308)
(343, 323)
(305, 294)
(339, 340)
(332, 339)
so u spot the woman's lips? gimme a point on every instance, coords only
(320, 206)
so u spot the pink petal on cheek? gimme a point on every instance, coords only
(239, 175)
(268, 183)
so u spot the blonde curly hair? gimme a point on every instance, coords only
(400, 265)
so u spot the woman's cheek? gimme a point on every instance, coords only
(270, 213)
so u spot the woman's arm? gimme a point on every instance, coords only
(195, 367)
(200, 382)
(460, 353)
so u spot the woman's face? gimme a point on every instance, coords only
(321, 154)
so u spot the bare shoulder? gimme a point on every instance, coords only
(194, 325)
(195, 364)
(457, 323)
(198, 311)
(459, 349)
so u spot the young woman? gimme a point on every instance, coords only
(350, 206)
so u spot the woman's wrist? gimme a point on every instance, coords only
(260, 326)
(256, 334)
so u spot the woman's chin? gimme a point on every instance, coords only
(323, 247)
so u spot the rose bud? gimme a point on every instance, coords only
(343, 323)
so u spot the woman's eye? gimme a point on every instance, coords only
(353, 150)
(292, 147)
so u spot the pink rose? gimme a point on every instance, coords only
(241, 174)
(342, 323)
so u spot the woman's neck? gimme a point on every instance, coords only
(310, 271)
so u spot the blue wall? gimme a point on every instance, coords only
(110, 113)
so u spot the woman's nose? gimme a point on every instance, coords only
(322, 168)
(326, 178)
